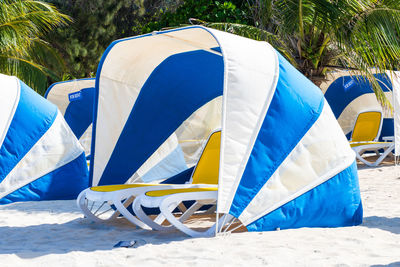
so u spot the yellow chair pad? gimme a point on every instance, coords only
(207, 169)
(161, 193)
(367, 126)
(111, 188)
(368, 143)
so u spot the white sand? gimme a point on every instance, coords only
(55, 234)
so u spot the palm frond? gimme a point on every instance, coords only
(256, 34)
(23, 52)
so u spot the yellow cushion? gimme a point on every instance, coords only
(110, 188)
(207, 168)
(368, 143)
(206, 171)
(161, 193)
(367, 126)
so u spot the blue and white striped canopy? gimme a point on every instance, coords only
(40, 158)
(75, 100)
(284, 160)
(350, 95)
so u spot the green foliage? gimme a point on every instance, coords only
(314, 35)
(254, 33)
(321, 34)
(96, 24)
(23, 52)
(354, 34)
(205, 10)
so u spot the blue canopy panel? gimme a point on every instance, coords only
(345, 94)
(75, 100)
(347, 88)
(280, 131)
(336, 202)
(35, 117)
(63, 183)
(79, 113)
(295, 107)
(387, 128)
(176, 88)
(32, 118)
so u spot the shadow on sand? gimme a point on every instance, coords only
(388, 224)
(393, 264)
(47, 206)
(77, 235)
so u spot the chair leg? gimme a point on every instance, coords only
(360, 158)
(179, 225)
(82, 203)
(122, 209)
(189, 212)
(166, 202)
(182, 207)
(383, 156)
(137, 208)
(212, 209)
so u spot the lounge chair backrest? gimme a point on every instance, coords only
(367, 126)
(207, 168)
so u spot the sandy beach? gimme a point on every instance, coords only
(54, 233)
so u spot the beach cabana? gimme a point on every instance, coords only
(284, 161)
(396, 107)
(349, 96)
(74, 99)
(40, 158)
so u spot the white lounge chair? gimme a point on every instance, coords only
(365, 135)
(206, 172)
(119, 197)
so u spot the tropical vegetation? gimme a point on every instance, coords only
(96, 24)
(315, 35)
(318, 35)
(23, 49)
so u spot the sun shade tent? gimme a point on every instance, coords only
(74, 99)
(349, 96)
(396, 106)
(40, 158)
(284, 161)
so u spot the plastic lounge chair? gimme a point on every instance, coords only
(365, 133)
(119, 197)
(167, 201)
